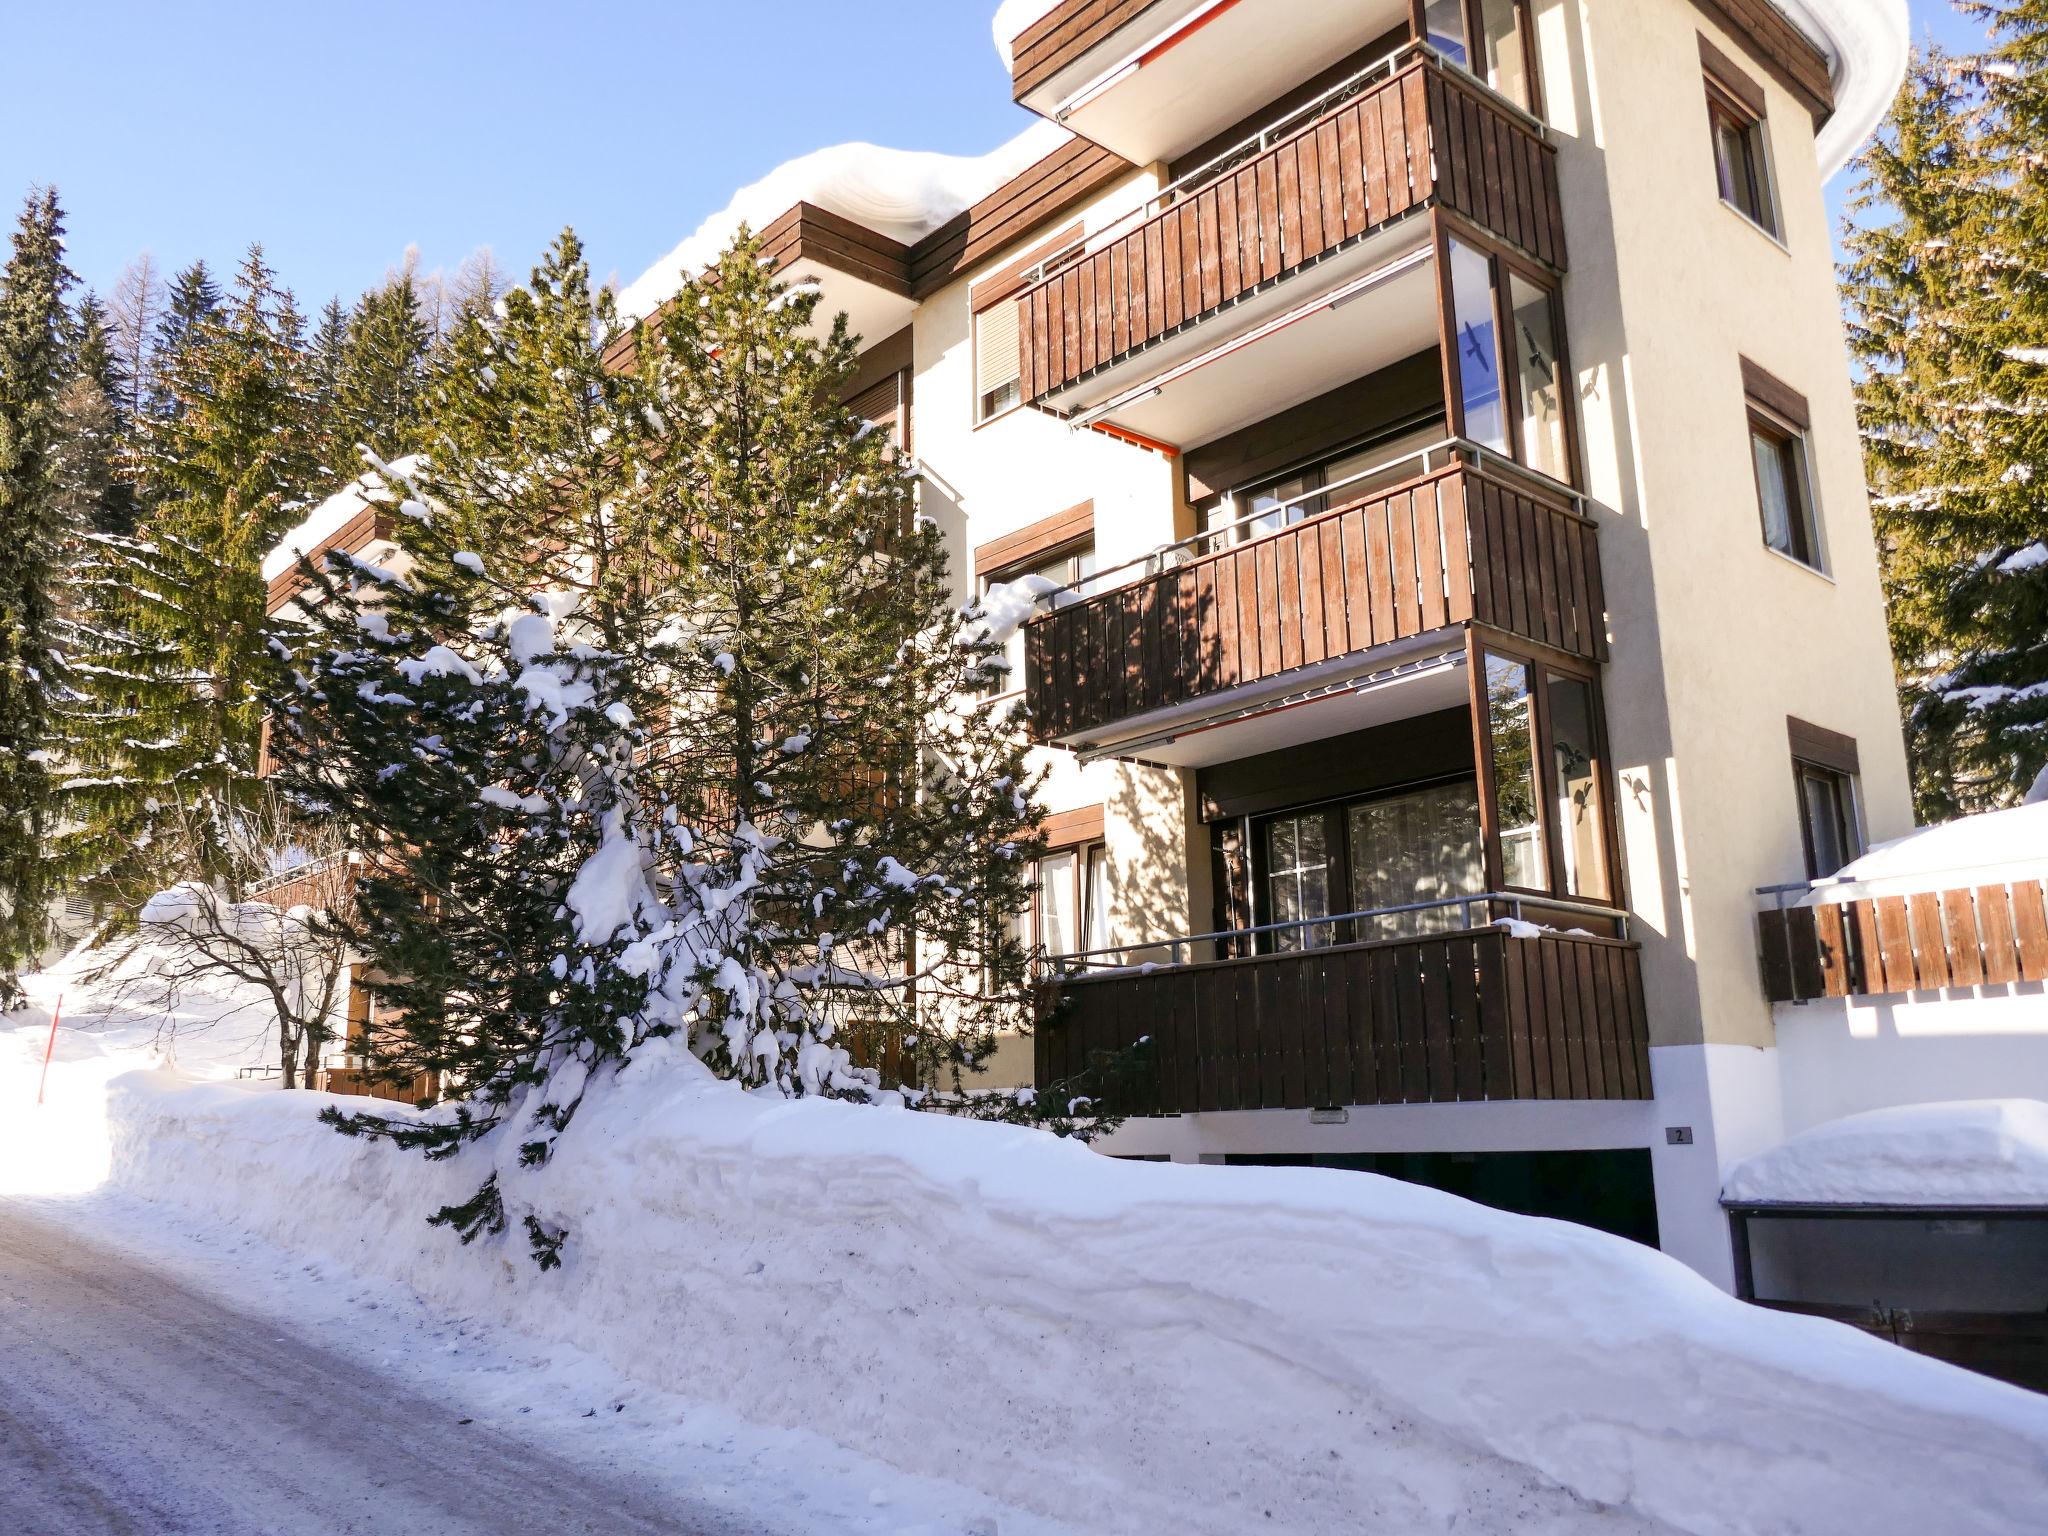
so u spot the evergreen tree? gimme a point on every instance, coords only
(334, 456)
(170, 717)
(193, 299)
(1948, 314)
(381, 390)
(669, 726)
(98, 478)
(32, 363)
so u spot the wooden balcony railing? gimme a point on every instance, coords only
(1448, 1018)
(1973, 936)
(1425, 134)
(1460, 544)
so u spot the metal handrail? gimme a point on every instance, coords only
(1178, 946)
(1283, 127)
(1157, 561)
(300, 872)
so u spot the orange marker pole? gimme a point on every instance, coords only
(50, 1050)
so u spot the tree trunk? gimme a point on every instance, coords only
(288, 1051)
(316, 1038)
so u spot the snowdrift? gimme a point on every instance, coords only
(1135, 1347)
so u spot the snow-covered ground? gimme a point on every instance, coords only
(1111, 1346)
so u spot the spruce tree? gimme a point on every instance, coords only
(381, 387)
(665, 724)
(1948, 315)
(333, 451)
(169, 720)
(33, 323)
(192, 300)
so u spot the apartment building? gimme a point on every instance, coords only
(1433, 416)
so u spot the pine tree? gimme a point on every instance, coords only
(1948, 314)
(193, 299)
(99, 464)
(32, 362)
(668, 726)
(170, 719)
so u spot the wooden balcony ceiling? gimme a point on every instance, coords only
(1153, 80)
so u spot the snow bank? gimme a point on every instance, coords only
(902, 193)
(1989, 849)
(1975, 1153)
(1866, 43)
(331, 516)
(1135, 1347)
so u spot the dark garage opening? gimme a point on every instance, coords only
(1609, 1190)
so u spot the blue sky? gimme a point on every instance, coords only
(340, 132)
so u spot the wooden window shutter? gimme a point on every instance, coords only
(996, 359)
(882, 404)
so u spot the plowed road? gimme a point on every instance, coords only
(129, 1403)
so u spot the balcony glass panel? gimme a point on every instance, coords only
(1507, 56)
(1580, 816)
(1538, 389)
(1420, 846)
(1444, 23)
(1478, 346)
(1511, 729)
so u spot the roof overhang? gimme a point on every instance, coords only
(1354, 313)
(1178, 72)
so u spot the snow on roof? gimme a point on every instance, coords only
(1983, 1152)
(902, 193)
(1989, 849)
(330, 517)
(1012, 17)
(1865, 42)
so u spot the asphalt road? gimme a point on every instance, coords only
(130, 1403)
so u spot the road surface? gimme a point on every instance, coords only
(130, 1403)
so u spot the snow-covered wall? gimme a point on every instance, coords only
(1137, 1347)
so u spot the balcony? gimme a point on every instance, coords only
(1481, 1014)
(1211, 626)
(1152, 79)
(1273, 246)
(1891, 945)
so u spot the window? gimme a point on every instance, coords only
(1297, 850)
(1505, 43)
(1478, 347)
(1266, 508)
(1824, 775)
(1539, 388)
(1779, 455)
(1074, 564)
(1068, 910)
(1736, 122)
(998, 365)
(1827, 819)
(1529, 419)
(1577, 807)
(1366, 855)
(1518, 813)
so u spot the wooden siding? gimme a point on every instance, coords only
(1424, 135)
(1017, 211)
(1064, 34)
(1452, 1018)
(1455, 547)
(369, 526)
(1973, 936)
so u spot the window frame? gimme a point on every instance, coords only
(1069, 553)
(1789, 443)
(986, 418)
(1335, 815)
(1543, 665)
(1086, 853)
(1507, 357)
(1471, 14)
(1848, 809)
(1735, 100)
